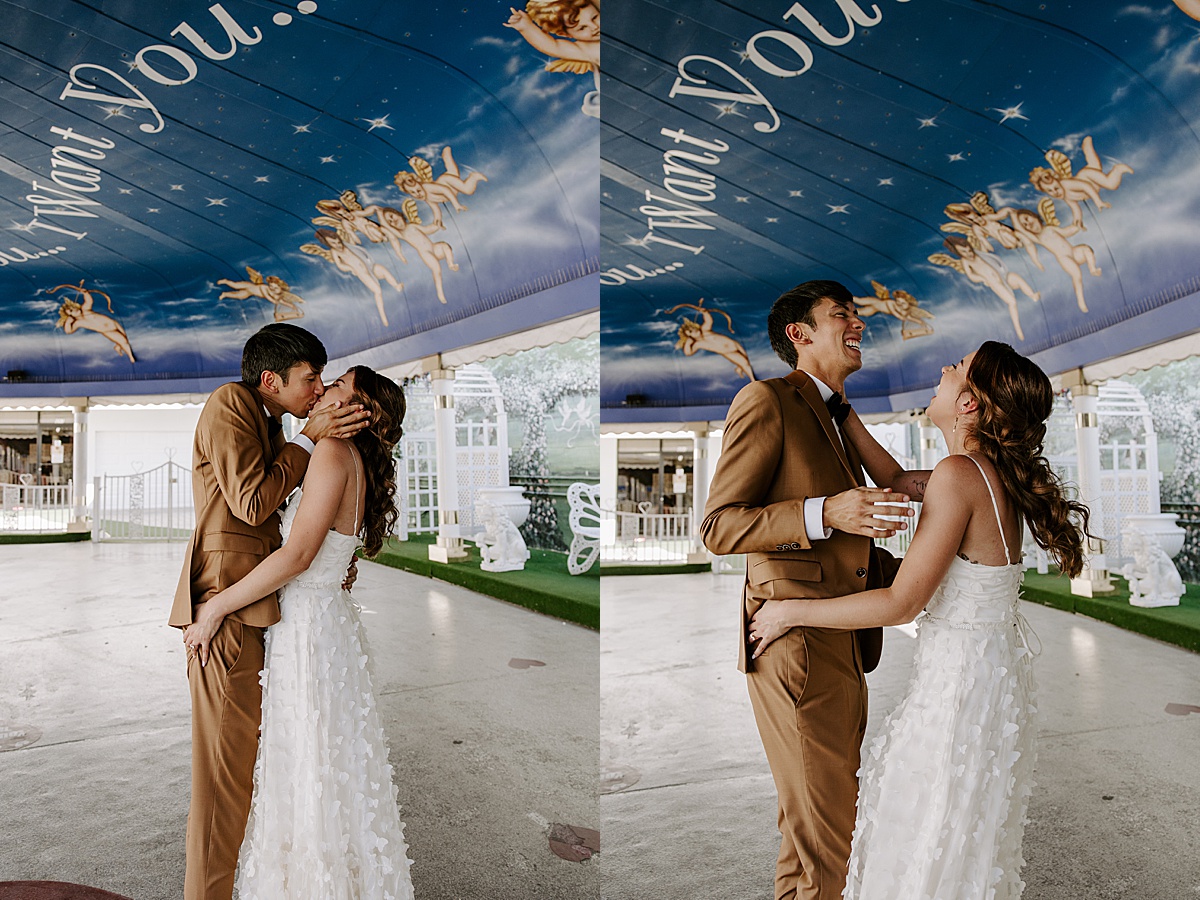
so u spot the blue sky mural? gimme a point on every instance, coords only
(398, 178)
(971, 170)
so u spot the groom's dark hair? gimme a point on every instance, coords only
(797, 306)
(276, 348)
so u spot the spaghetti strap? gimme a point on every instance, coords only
(995, 508)
(358, 525)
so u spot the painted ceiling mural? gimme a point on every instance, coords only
(971, 170)
(399, 178)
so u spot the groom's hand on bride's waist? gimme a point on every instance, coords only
(337, 421)
(861, 511)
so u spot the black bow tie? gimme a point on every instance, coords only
(838, 408)
(274, 426)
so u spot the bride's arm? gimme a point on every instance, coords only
(939, 534)
(883, 469)
(324, 484)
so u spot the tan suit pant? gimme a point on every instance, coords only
(810, 702)
(226, 712)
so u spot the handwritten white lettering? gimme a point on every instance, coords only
(697, 88)
(618, 276)
(80, 90)
(233, 31)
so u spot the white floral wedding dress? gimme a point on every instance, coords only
(324, 822)
(945, 787)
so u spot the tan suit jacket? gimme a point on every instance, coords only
(240, 478)
(780, 448)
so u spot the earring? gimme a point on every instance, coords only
(954, 430)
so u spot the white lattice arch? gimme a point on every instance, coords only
(1129, 473)
(481, 443)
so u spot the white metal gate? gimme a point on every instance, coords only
(145, 506)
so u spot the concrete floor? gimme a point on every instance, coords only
(688, 804)
(487, 756)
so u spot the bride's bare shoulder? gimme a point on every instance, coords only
(330, 456)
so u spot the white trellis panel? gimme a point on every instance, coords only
(1129, 473)
(481, 441)
(482, 462)
(417, 468)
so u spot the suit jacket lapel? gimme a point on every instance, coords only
(271, 445)
(807, 388)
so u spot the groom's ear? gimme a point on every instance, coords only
(270, 382)
(796, 334)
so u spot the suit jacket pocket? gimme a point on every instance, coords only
(792, 569)
(227, 555)
(769, 579)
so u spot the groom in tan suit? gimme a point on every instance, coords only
(789, 494)
(242, 471)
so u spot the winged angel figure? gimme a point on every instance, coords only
(1060, 183)
(967, 260)
(271, 288)
(902, 305)
(421, 184)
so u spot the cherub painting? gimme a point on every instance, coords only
(576, 417)
(969, 262)
(406, 226)
(698, 334)
(902, 305)
(272, 289)
(979, 219)
(421, 184)
(1042, 229)
(568, 31)
(73, 315)
(1060, 183)
(347, 214)
(1191, 7)
(338, 248)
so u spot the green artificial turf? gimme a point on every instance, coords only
(639, 569)
(1179, 625)
(544, 585)
(57, 537)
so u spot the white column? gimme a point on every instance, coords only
(1085, 401)
(701, 476)
(449, 544)
(608, 489)
(79, 469)
(930, 453)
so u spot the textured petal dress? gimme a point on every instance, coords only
(324, 822)
(945, 787)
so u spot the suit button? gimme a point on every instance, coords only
(860, 572)
(780, 547)
(795, 545)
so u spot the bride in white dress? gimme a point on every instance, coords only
(945, 787)
(324, 822)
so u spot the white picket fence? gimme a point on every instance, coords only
(35, 508)
(645, 537)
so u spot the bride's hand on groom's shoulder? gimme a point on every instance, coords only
(768, 624)
(336, 421)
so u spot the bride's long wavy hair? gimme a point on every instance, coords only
(1015, 399)
(385, 401)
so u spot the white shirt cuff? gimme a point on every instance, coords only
(307, 445)
(814, 515)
